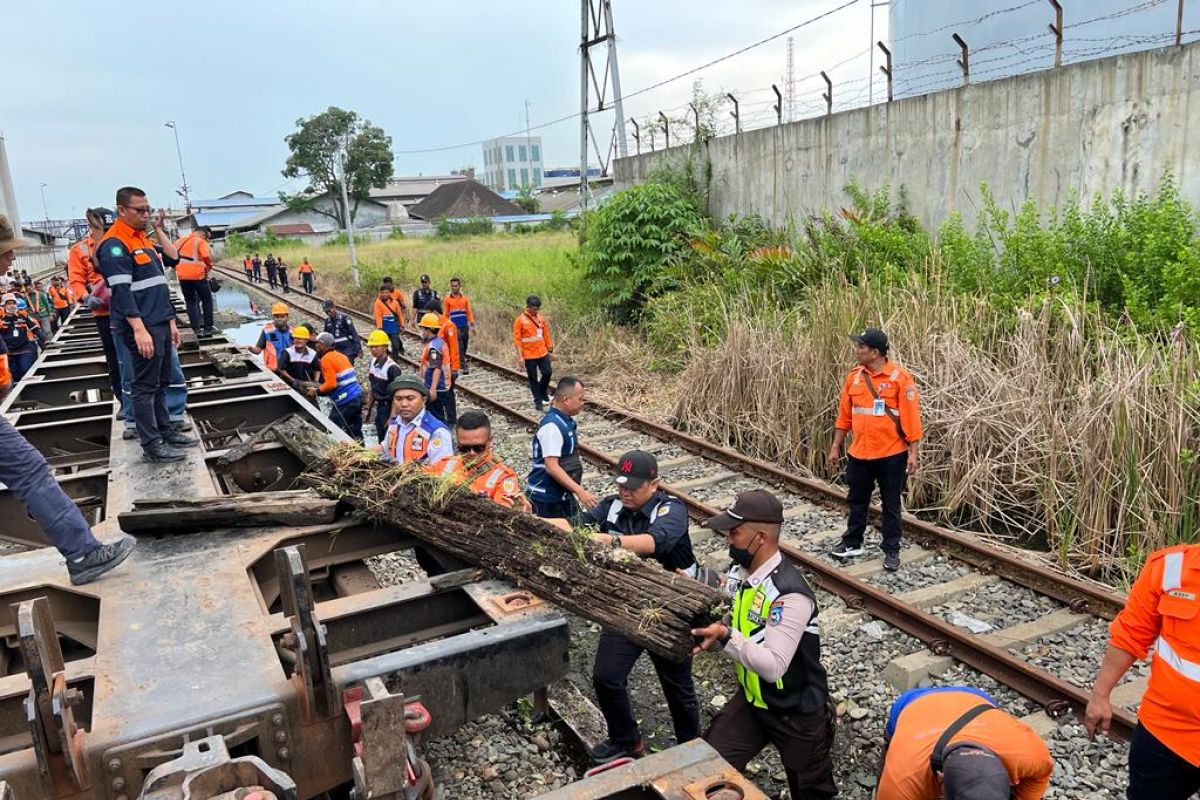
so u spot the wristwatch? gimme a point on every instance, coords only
(616, 541)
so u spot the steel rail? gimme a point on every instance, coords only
(1079, 595)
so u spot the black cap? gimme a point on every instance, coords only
(533, 301)
(424, 279)
(635, 468)
(972, 772)
(871, 337)
(408, 382)
(328, 304)
(755, 505)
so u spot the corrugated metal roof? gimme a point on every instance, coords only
(414, 186)
(224, 218)
(290, 228)
(235, 202)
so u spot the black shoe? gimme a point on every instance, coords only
(538, 405)
(608, 750)
(846, 551)
(100, 560)
(177, 439)
(162, 453)
(891, 561)
(129, 434)
(180, 425)
(466, 370)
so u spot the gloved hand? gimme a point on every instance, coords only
(93, 302)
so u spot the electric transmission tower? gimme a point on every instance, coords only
(789, 80)
(596, 28)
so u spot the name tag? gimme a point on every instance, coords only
(1181, 594)
(877, 408)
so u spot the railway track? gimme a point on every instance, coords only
(1037, 602)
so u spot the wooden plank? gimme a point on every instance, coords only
(190, 514)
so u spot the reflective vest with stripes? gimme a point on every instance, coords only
(542, 487)
(348, 389)
(804, 687)
(297, 365)
(190, 266)
(134, 272)
(380, 376)
(416, 442)
(275, 342)
(491, 479)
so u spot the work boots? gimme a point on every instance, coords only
(162, 453)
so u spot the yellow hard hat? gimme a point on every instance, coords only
(378, 338)
(301, 332)
(431, 321)
(278, 308)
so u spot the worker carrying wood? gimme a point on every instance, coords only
(1163, 613)
(774, 640)
(955, 742)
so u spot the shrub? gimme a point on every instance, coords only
(342, 240)
(239, 244)
(476, 226)
(629, 242)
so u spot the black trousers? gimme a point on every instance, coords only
(197, 296)
(862, 475)
(1156, 772)
(307, 279)
(464, 340)
(442, 406)
(804, 741)
(258, 273)
(104, 328)
(567, 508)
(271, 277)
(349, 418)
(397, 345)
(615, 657)
(283, 281)
(62, 314)
(383, 412)
(539, 387)
(148, 389)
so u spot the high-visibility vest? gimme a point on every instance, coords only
(60, 296)
(276, 342)
(491, 479)
(191, 266)
(428, 432)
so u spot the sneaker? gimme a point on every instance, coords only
(181, 425)
(608, 750)
(891, 561)
(844, 550)
(177, 439)
(162, 453)
(100, 560)
(129, 434)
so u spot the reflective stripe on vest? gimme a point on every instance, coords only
(276, 341)
(1173, 579)
(614, 511)
(347, 387)
(380, 372)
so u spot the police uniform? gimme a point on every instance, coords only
(345, 337)
(381, 373)
(424, 439)
(133, 270)
(665, 519)
(555, 437)
(774, 640)
(434, 357)
(422, 298)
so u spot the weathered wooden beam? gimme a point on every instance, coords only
(186, 515)
(230, 365)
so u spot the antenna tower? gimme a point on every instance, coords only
(596, 28)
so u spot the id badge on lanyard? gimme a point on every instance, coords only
(877, 410)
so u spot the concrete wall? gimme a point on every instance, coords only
(1090, 127)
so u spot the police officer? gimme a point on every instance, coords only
(341, 327)
(422, 297)
(144, 319)
(773, 638)
(1163, 612)
(554, 480)
(879, 405)
(644, 519)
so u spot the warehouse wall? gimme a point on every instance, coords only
(1090, 127)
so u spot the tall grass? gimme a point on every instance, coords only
(1059, 427)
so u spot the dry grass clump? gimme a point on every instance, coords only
(1055, 427)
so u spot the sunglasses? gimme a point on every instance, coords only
(473, 448)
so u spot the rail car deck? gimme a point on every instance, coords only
(248, 634)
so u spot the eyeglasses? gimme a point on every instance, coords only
(473, 448)
(140, 209)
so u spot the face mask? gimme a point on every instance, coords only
(741, 556)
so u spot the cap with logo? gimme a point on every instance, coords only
(424, 279)
(635, 468)
(871, 337)
(755, 505)
(328, 304)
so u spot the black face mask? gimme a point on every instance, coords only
(741, 556)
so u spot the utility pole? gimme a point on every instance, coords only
(187, 201)
(45, 212)
(349, 221)
(596, 28)
(790, 79)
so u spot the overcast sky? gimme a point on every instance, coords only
(90, 87)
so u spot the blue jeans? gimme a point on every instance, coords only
(176, 390)
(28, 475)
(20, 363)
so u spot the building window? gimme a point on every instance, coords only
(537, 152)
(524, 176)
(496, 155)
(537, 177)
(512, 178)
(521, 153)
(508, 152)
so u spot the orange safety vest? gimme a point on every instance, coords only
(61, 296)
(1163, 610)
(193, 257)
(305, 267)
(871, 421)
(429, 432)
(449, 334)
(491, 479)
(532, 336)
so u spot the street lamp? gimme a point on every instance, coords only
(45, 213)
(178, 151)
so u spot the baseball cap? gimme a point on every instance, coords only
(635, 468)
(408, 382)
(326, 338)
(8, 298)
(533, 301)
(755, 505)
(871, 337)
(972, 772)
(424, 279)
(328, 304)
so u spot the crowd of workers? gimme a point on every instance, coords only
(954, 742)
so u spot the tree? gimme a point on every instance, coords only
(315, 146)
(527, 201)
